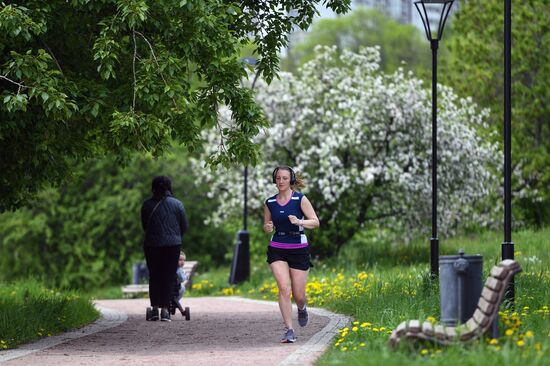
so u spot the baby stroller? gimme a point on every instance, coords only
(175, 303)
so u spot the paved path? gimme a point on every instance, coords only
(222, 331)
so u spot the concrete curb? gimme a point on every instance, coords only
(316, 345)
(109, 319)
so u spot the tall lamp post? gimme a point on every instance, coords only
(434, 14)
(508, 244)
(240, 268)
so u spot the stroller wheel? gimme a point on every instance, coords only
(187, 313)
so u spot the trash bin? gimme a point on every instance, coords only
(140, 273)
(240, 268)
(460, 285)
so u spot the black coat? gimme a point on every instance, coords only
(166, 225)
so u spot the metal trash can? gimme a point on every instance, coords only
(240, 267)
(460, 285)
(140, 273)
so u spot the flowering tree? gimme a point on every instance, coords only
(362, 141)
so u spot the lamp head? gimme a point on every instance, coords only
(434, 14)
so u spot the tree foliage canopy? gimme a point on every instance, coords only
(79, 78)
(476, 68)
(361, 138)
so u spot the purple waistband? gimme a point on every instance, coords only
(276, 244)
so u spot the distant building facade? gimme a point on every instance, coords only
(404, 11)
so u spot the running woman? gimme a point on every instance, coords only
(286, 214)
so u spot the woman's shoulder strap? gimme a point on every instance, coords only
(271, 199)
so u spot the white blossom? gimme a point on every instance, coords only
(362, 141)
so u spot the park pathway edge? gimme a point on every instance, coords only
(316, 345)
(109, 318)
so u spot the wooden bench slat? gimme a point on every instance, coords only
(401, 328)
(489, 294)
(439, 331)
(493, 284)
(481, 318)
(485, 306)
(414, 326)
(428, 328)
(499, 272)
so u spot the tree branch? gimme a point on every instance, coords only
(15, 82)
(156, 61)
(52, 54)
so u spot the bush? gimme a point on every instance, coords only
(88, 233)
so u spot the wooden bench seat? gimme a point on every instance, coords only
(141, 289)
(484, 315)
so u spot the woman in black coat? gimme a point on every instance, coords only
(164, 223)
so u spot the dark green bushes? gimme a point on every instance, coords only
(88, 233)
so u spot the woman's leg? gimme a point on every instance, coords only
(167, 273)
(282, 277)
(153, 265)
(298, 279)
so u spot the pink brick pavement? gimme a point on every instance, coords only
(222, 331)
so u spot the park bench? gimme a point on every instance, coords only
(141, 289)
(482, 319)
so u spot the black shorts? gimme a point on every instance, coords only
(296, 258)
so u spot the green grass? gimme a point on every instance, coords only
(405, 292)
(110, 292)
(378, 295)
(29, 311)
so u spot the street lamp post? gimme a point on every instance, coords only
(434, 14)
(508, 244)
(240, 268)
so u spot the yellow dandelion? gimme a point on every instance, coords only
(520, 343)
(424, 352)
(509, 332)
(361, 344)
(344, 349)
(493, 341)
(529, 334)
(354, 329)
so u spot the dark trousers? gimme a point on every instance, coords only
(162, 263)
